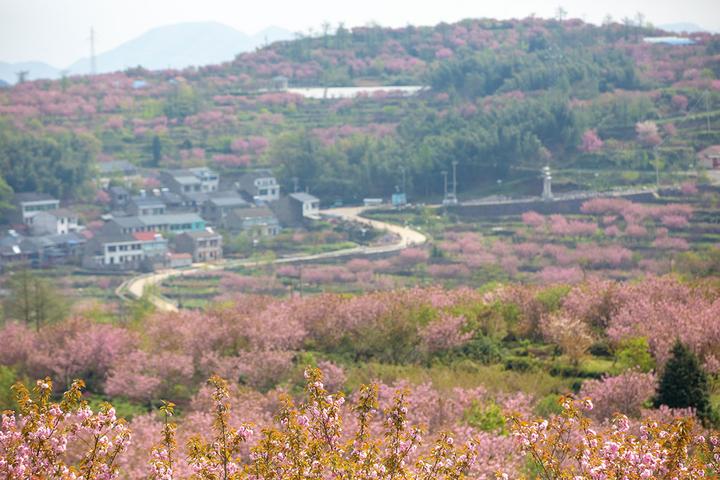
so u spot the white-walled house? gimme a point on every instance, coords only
(308, 204)
(260, 186)
(118, 252)
(30, 204)
(193, 180)
(53, 222)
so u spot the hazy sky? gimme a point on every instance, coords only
(57, 31)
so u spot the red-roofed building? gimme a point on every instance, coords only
(154, 246)
(146, 236)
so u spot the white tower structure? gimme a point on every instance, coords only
(547, 183)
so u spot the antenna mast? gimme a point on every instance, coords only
(93, 62)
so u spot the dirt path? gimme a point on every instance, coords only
(135, 287)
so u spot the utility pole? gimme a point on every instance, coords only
(445, 192)
(560, 13)
(454, 165)
(451, 197)
(402, 170)
(296, 184)
(93, 62)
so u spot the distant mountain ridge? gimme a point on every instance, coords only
(171, 46)
(36, 70)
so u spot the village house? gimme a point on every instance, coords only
(204, 246)
(181, 181)
(217, 206)
(194, 180)
(119, 197)
(179, 260)
(115, 252)
(297, 208)
(154, 246)
(29, 204)
(53, 222)
(254, 221)
(209, 179)
(709, 158)
(173, 202)
(146, 205)
(169, 222)
(259, 187)
(41, 251)
(56, 249)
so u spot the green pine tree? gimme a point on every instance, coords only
(684, 383)
(34, 300)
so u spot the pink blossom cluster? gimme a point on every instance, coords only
(625, 393)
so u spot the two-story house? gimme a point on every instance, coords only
(255, 221)
(146, 205)
(209, 179)
(29, 204)
(154, 246)
(115, 252)
(204, 246)
(219, 204)
(169, 222)
(53, 222)
(297, 208)
(259, 187)
(194, 180)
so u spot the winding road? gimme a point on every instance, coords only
(407, 237)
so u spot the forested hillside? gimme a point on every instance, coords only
(503, 98)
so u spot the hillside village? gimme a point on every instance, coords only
(173, 225)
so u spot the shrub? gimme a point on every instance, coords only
(482, 348)
(487, 417)
(7, 379)
(635, 353)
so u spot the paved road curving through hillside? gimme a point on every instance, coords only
(407, 237)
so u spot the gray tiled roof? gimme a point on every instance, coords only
(33, 197)
(228, 200)
(257, 212)
(170, 218)
(128, 222)
(304, 197)
(147, 201)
